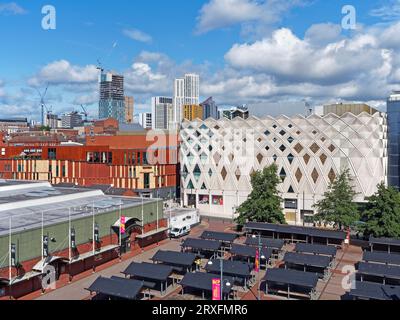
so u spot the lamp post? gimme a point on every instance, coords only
(228, 284)
(259, 265)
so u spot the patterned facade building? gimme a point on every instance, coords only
(218, 156)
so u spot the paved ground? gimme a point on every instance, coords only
(327, 290)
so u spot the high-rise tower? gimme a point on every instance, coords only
(112, 98)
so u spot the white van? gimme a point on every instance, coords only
(178, 232)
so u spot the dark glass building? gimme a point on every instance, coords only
(393, 112)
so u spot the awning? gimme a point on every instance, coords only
(292, 277)
(250, 252)
(175, 258)
(379, 270)
(203, 281)
(157, 272)
(230, 268)
(375, 291)
(316, 249)
(307, 260)
(220, 236)
(382, 258)
(117, 287)
(265, 242)
(41, 265)
(201, 244)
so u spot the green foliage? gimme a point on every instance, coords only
(45, 128)
(338, 206)
(264, 202)
(383, 213)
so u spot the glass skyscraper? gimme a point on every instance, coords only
(112, 97)
(393, 112)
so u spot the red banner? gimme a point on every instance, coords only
(216, 289)
(122, 225)
(257, 264)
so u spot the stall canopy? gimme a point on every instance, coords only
(375, 291)
(203, 281)
(250, 252)
(175, 258)
(379, 257)
(265, 242)
(307, 260)
(219, 236)
(117, 287)
(230, 268)
(151, 271)
(292, 277)
(41, 265)
(379, 270)
(316, 249)
(384, 241)
(201, 244)
(294, 230)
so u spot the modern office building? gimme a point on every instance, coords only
(210, 109)
(52, 120)
(71, 120)
(145, 120)
(192, 112)
(68, 229)
(186, 92)
(129, 109)
(218, 156)
(393, 114)
(13, 125)
(234, 112)
(162, 113)
(112, 98)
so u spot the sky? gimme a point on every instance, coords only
(272, 55)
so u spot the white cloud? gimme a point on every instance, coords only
(254, 15)
(388, 12)
(11, 8)
(62, 72)
(323, 33)
(137, 35)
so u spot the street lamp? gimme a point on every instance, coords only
(259, 264)
(228, 284)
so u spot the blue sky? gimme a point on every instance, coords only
(233, 44)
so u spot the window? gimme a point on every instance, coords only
(291, 204)
(146, 180)
(52, 153)
(218, 200)
(204, 199)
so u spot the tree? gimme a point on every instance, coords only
(383, 213)
(338, 206)
(264, 202)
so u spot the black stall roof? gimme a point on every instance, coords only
(232, 268)
(265, 242)
(250, 252)
(175, 258)
(384, 241)
(316, 249)
(307, 260)
(119, 288)
(150, 271)
(280, 228)
(381, 257)
(379, 270)
(375, 291)
(203, 281)
(292, 277)
(220, 236)
(202, 244)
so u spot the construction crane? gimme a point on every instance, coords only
(42, 102)
(99, 66)
(85, 113)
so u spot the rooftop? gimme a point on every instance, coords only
(24, 203)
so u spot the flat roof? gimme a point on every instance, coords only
(384, 241)
(175, 258)
(307, 260)
(150, 271)
(220, 236)
(265, 242)
(203, 281)
(249, 251)
(375, 291)
(379, 270)
(25, 202)
(306, 231)
(231, 268)
(119, 288)
(381, 257)
(292, 277)
(202, 244)
(316, 249)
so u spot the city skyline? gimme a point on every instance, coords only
(270, 55)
